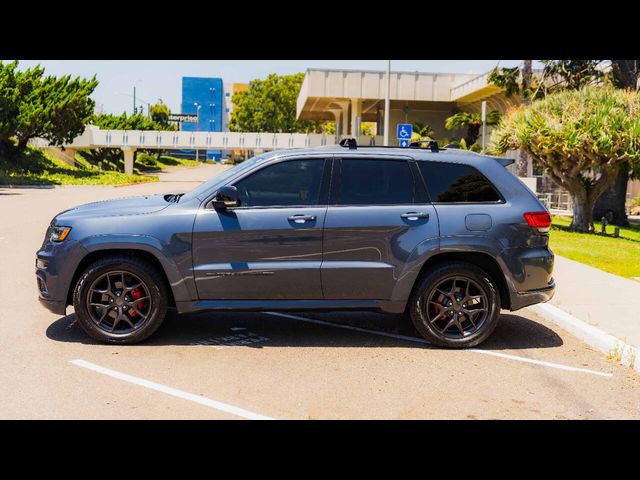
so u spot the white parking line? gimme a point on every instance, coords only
(559, 366)
(207, 402)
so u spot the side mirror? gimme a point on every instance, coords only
(226, 197)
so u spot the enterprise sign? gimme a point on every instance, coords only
(183, 117)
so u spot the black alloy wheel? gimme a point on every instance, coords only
(455, 305)
(121, 299)
(119, 302)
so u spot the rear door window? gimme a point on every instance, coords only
(375, 182)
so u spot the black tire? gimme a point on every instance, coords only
(154, 282)
(423, 319)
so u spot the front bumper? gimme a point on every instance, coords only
(531, 297)
(55, 267)
(54, 306)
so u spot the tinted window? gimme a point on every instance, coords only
(375, 182)
(296, 182)
(452, 183)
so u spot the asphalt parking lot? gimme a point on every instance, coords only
(283, 366)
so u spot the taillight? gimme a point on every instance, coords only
(539, 220)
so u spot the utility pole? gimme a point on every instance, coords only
(197, 125)
(387, 105)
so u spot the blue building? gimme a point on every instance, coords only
(203, 97)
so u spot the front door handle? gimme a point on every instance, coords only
(302, 218)
(413, 216)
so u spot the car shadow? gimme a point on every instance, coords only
(257, 330)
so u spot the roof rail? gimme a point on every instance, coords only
(349, 142)
(431, 144)
(352, 144)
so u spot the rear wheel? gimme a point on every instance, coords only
(120, 299)
(455, 305)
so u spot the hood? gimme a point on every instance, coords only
(115, 208)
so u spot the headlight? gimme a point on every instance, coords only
(58, 234)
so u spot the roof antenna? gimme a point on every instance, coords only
(349, 142)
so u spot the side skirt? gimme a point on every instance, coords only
(290, 305)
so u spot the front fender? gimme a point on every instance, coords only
(174, 257)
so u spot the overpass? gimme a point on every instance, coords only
(131, 140)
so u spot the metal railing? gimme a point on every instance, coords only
(154, 139)
(96, 138)
(556, 201)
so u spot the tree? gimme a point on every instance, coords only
(159, 113)
(518, 82)
(52, 108)
(581, 137)
(473, 122)
(269, 105)
(329, 128)
(611, 204)
(571, 74)
(507, 79)
(556, 74)
(422, 131)
(106, 121)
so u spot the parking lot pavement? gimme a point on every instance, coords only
(260, 365)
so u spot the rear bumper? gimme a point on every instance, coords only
(524, 299)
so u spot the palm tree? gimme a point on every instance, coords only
(473, 122)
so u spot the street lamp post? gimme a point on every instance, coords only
(198, 107)
(134, 96)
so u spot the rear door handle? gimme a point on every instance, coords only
(302, 218)
(413, 216)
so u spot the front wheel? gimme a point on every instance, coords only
(120, 299)
(455, 305)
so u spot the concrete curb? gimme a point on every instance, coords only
(30, 186)
(608, 344)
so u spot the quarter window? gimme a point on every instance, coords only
(375, 182)
(454, 183)
(294, 182)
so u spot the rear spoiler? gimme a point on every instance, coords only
(505, 162)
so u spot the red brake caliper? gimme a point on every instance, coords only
(135, 294)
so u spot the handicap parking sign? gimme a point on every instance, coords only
(405, 130)
(404, 143)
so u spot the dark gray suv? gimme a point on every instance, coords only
(448, 236)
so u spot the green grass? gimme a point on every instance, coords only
(146, 162)
(620, 256)
(38, 168)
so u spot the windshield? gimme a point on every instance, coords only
(220, 179)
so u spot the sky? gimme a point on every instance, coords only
(161, 79)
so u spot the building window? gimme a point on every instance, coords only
(226, 110)
(228, 94)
